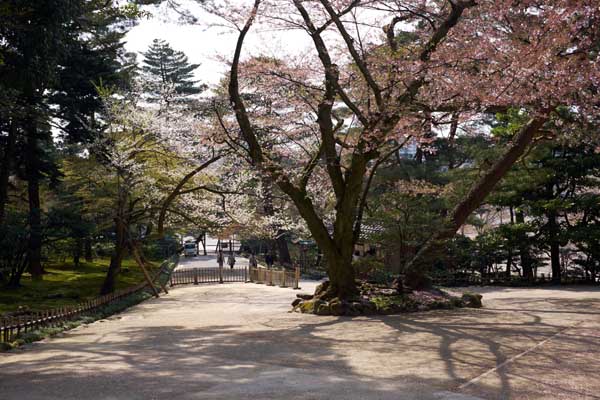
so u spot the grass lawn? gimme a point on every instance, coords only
(65, 285)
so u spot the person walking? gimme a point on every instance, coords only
(231, 260)
(269, 260)
(252, 261)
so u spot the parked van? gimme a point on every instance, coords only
(190, 249)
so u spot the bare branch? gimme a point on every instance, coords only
(365, 193)
(360, 62)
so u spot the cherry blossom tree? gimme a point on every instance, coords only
(377, 74)
(154, 163)
(195, 152)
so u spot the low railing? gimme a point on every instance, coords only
(500, 280)
(282, 278)
(13, 326)
(208, 275)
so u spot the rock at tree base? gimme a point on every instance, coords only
(321, 308)
(472, 300)
(296, 302)
(335, 307)
(382, 300)
(321, 288)
(398, 285)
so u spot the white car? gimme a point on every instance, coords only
(190, 249)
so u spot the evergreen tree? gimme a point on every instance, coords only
(53, 55)
(169, 74)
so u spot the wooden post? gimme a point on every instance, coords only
(144, 270)
(195, 276)
(270, 277)
(220, 274)
(297, 280)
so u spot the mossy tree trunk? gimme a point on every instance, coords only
(121, 239)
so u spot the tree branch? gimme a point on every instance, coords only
(360, 63)
(365, 193)
(177, 191)
(324, 110)
(458, 7)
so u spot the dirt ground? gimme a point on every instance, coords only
(238, 341)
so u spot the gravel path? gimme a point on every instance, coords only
(237, 341)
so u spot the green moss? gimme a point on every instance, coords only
(456, 302)
(307, 307)
(438, 305)
(391, 304)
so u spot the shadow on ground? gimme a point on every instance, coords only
(266, 353)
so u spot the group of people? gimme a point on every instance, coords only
(230, 260)
(251, 260)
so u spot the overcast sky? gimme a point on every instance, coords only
(203, 44)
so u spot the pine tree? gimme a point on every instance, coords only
(53, 54)
(168, 71)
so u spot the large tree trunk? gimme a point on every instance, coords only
(121, 237)
(417, 269)
(34, 251)
(116, 259)
(337, 248)
(5, 168)
(342, 283)
(283, 252)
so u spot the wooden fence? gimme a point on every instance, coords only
(208, 275)
(500, 280)
(282, 278)
(11, 327)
